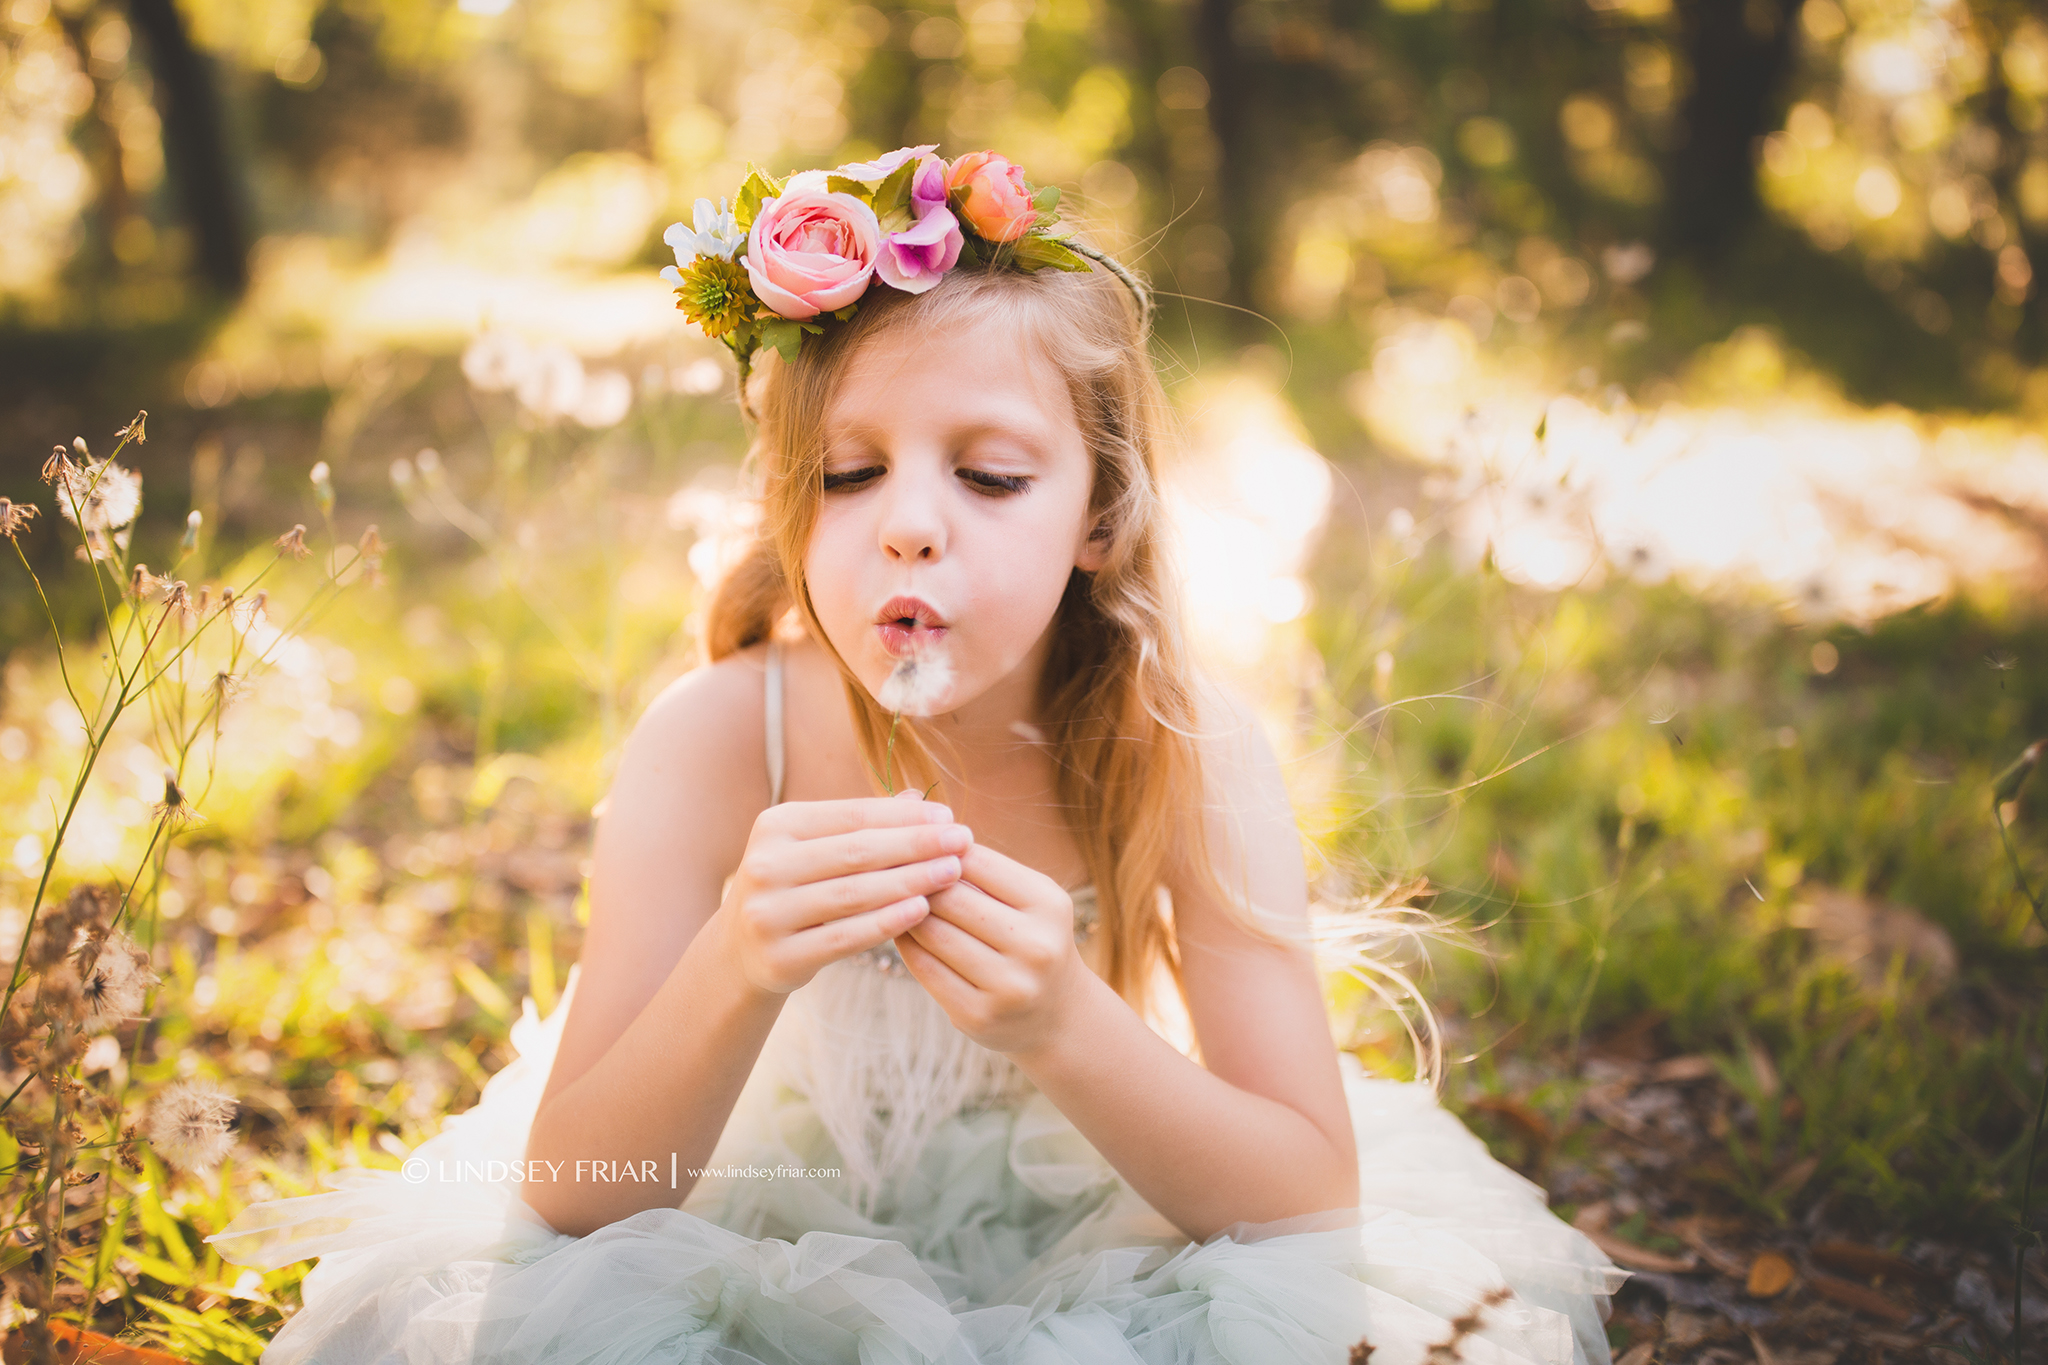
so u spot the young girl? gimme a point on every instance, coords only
(1026, 1062)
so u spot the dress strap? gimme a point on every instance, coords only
(774, 727)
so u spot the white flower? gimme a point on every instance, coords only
(918, 686)
(715, 234)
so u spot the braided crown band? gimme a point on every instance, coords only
(791, 257)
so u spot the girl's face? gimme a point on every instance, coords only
(955, 508)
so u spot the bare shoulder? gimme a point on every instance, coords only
(1251, 839)
(716, 710)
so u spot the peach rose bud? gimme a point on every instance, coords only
(995, 203)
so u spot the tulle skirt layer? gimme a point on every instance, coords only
(1009, 1239)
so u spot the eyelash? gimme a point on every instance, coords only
(991, 485)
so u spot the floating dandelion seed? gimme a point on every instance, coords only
(15, 517)
(293, 542)
(188, 1123)
(1663, 715)
(1998, 661)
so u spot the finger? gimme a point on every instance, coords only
(815, 819)
(866, 850)
(940, 981)
(791, 909)
(1004, 878)
(970, 959)
(857, 933)
(973, 911)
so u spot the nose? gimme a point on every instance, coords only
(913, 524)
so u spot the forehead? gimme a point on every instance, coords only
(960, 375)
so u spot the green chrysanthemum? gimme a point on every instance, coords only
(715, 295)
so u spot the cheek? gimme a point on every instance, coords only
(834, 592)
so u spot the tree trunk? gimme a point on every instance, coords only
(1224, 67)
(195, 147)
(1740, 52)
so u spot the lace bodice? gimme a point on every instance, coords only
(876, 1055)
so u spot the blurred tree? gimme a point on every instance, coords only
(195, 147)
(1740, 54)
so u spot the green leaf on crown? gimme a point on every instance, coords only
(846, 184)
(971, 247)
(1038, 253)
(786, 335)
(844, 313)
(755, 188)
(892, 198)
(1047, 200)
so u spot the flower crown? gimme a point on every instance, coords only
(789, 257)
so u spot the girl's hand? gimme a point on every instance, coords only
(997, 951)
(822, 880)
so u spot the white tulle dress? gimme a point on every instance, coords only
(963, 1220)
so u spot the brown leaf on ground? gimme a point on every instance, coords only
(1865, 935)
(1852, 1295)
(1852, 1259)
(1642, 1353)
(1794, 1178)
(1679, 1069)
(1764, 1354)
(72, 1343)
(1769, 1275)
(1633, 1257)
(1529, 1122)
(1691, 1232)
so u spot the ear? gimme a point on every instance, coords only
(1094, 551)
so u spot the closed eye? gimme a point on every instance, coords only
(851, 478)
(994, 485)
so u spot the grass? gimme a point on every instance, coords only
(1635, 791)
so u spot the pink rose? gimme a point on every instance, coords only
(996, 204)
(913, 260)
(811, 251)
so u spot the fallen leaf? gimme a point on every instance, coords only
(1528, 1122)
(1679, 1069)
(1865, 935)
(1641, 1258)
(1763, 1352)
(73, 1343)
(1687, 1230)
(1639, 1354)
(1852, 1259)
(1769, 1275)
(1794, 1178)
(1852, 1295)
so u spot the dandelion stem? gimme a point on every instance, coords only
(63, 667)
(2022, 1235)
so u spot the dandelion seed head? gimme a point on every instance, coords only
(98, 497)
(293, 542)
(116, 981)
(918, 686)
(189, 1122)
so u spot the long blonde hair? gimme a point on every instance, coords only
(1118, 700)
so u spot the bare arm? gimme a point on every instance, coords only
(1263, 1132)
(677, 989)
